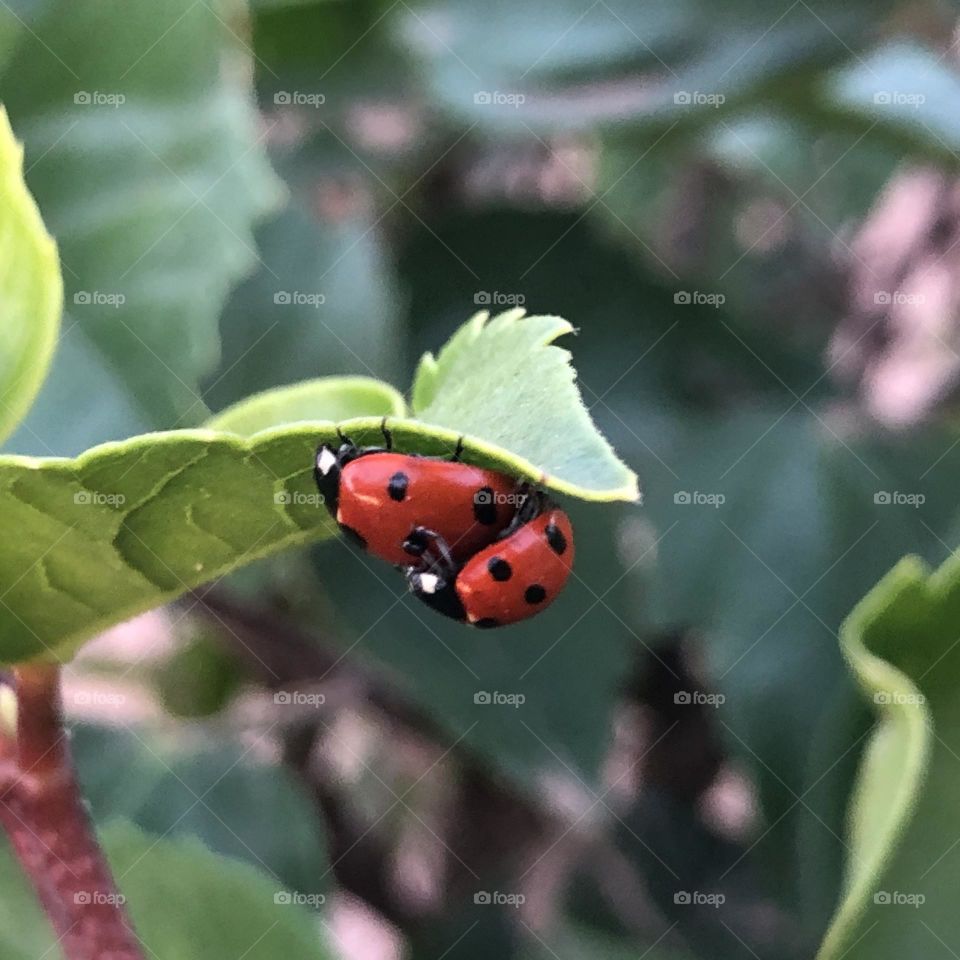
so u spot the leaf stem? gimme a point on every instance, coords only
(43, 813)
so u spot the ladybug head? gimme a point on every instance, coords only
(437, 592)
(326, 471)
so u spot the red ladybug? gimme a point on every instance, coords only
(508, 581)
(379, 498)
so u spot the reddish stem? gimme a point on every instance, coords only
(42, 811)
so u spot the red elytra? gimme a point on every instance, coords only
(383, 496)
(520, 575)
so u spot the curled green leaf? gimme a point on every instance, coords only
(903, 645)
(31, 291)
(511, 393)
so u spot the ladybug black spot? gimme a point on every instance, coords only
(556, 539)
(499, 569)
(486, 623)
(350, 534)
(534, 594)
(397, 487)
(484, 509)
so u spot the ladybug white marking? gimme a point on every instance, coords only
(428, 582)
(326, 461)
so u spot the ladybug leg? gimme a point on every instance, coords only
(434, 581)
(532, 504)
(458, 453)
(433, 551)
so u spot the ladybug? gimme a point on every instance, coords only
(380, 498)
(505, 582)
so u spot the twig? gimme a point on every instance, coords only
(43, 813)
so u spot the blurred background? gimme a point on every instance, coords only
(751, 213)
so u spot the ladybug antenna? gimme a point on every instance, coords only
(344, 439)
(387, 436)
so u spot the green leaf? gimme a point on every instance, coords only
(218, 794)
(131, 525)
(186, 902)
(502, 384)
(333, 398)
(903, 868)
(152, 196)
(621, 61)
(905, 89)
(31, 291)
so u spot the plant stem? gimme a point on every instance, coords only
(43, 813)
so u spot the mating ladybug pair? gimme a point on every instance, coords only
(473, 544)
